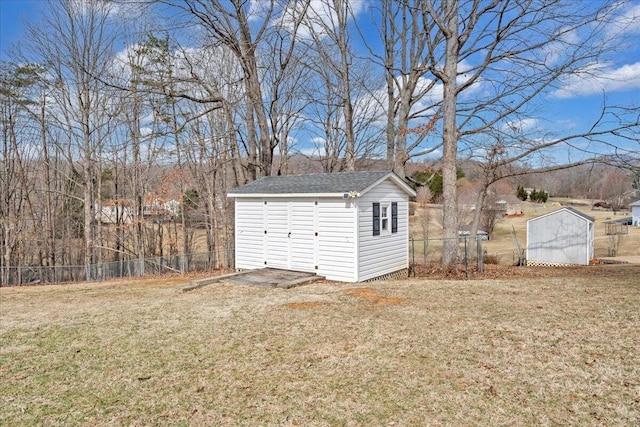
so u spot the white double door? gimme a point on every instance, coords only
(291, 234)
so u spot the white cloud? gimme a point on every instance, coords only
(600, 78)
(258, 9)
(556, 50)
(626, 20)
(566, 124)
(320, 15)
(318, 141)
(521, 125)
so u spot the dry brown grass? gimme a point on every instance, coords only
(559, 349)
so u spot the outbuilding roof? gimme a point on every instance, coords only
(328, 184)
(636, 203)
(569, 209)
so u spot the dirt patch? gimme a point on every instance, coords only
(369, 295)
(304, 305)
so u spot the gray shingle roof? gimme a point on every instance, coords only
(314, 183)
(583, 215)
(567, 209)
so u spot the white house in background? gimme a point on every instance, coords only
(348, 227)
(635, 213)
(172, 207)
(113, 212)
(561, 237)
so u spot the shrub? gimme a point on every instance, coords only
(491, 259)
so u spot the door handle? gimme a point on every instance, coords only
(289, 235)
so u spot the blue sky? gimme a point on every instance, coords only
(12, 16)
(574, 105)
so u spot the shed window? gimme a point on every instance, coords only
(385, 218)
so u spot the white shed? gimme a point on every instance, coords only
(635, 213)
(561, 237)
(350, 227)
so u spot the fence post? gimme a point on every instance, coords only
(424, 252)
(466, 259)
(480, 255)
(413, 257)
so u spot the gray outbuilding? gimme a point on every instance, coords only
(348, 227)
(635, 213)
(561, 237)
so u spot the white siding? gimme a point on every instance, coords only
(250, 228)
(388, 252)
(337, 240)
(560, 237)
(635, 215)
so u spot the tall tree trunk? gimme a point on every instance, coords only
(49, 219)
(450, 136)
(254, 95)
(87, 196)
(252, 146)
(389, 70)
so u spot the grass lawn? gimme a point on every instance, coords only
(561, 347)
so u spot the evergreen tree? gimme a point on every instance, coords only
(521, 193)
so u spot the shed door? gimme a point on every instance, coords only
(290, 241)
(277, 234)
(303, 227)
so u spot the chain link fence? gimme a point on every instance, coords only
(422, 253)
(184, 263)
(425, 252)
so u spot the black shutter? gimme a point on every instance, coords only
(376, 219)
(394, 217)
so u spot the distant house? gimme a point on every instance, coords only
(172, 207)
(635, 213)
(561, 237)
(349, 227)
(114, 212)
(121, 211)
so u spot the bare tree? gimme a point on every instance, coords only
(509, 49)
(411, 110)
(326, 117)
(75, 41)
(13, 181)
(615, 187)
(327, 23)
(242, 27)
